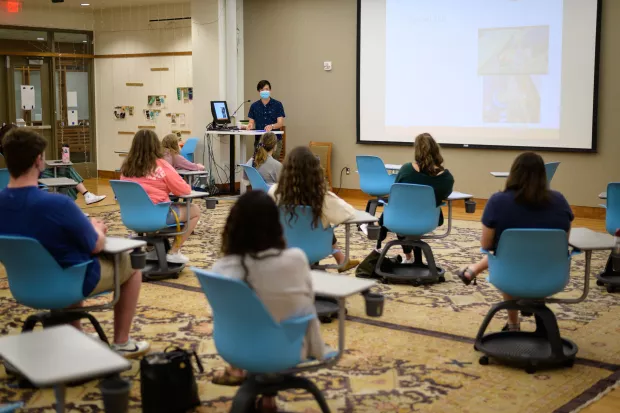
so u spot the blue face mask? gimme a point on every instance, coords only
(264, 94)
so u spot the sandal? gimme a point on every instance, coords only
(227, 378)
(472, 277)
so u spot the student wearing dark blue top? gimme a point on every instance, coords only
(63, 229)
(527, 202)
(266, 114)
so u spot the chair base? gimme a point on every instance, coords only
(160, 269)
(416, 273)
(373, 204)
(609, 278)
(542, 348)
(255, 386)
(326, 308)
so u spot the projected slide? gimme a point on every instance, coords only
(478, 72)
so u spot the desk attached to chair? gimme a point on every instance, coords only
(55, 183)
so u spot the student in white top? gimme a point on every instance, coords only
(255, 252)
(302, 182)
(263, 161)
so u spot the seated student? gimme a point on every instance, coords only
(263, 161)
(302, 182)
(64, 172)
(172, 155)
(145, 165)
(255, 251)
(427, 169)
(63, 229)
(527, 202)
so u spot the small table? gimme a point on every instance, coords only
(56, 356)
(57, 164)
(55, 183)
(187, 175)
(338, 287)
(586, 240)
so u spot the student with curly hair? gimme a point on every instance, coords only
(302, 182)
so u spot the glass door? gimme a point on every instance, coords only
(36, 73)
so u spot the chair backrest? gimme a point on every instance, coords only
(374, 178)
(4, 178)
(412, 210)
(323, 150)
(245, 334)
(531, 263)
(299, 233)
(187, 151)
(256, 180)
(612, 221)
(35, 278)
(138, 212)
(550, 169)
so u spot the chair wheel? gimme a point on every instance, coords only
(530, 369)
(610, 288)
(385, 281)
(569, 363)
(442, 279)
(416, 283)
(325, 320)
(484, 361)
(476, 348)
(600, 283)
(175, 276)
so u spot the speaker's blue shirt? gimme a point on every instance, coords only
(56, 222)
(268, 114)
(502, 212)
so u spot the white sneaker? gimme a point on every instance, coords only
(364, 229)
(177, 258)
(131, 348)
(408, 261)
(92, 198)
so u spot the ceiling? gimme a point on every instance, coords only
(98, 4)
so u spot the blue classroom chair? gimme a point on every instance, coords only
(148, 220)
(374, 179)
(255, 178)
(544, 272)
(412, 213)
(43, 284)
(247, 337)
(187, 151)
(609, 277)
(4, 178)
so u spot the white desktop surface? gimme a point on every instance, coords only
(338, 286)
(362, 217)
(60, 355)
(193, 195)
(455, 196)
(57, 163)
(115, 245)
(602, 195)
(587, 240)
(242, 132)
(184, 172)
(500, 174)
(393, 167)
(53, 182)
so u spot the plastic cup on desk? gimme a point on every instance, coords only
(115, 392)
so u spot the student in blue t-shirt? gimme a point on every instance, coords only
(527, 202)
(63, 229)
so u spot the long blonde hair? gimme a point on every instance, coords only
(427, 155)
(171, 142)
(267, 142)
(143, 155)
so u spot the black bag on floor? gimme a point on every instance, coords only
(168, 384)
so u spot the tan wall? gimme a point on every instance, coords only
(286, 42)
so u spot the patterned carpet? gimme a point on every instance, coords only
(417, 357)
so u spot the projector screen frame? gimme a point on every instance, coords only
(594, 142)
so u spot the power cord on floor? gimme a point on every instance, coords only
(340, 187)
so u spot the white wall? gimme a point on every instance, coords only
(127, 30)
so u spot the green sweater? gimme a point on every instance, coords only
(442, 184)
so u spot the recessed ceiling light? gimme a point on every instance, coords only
(40, 38)
(85, 4)
(84, 41)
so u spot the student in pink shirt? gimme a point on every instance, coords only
(146, 166)
(172, 155)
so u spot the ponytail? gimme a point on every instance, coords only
(267, 142)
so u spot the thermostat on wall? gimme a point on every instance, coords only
(327, 66)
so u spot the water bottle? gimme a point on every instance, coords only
(615, 254)
(65, 153)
